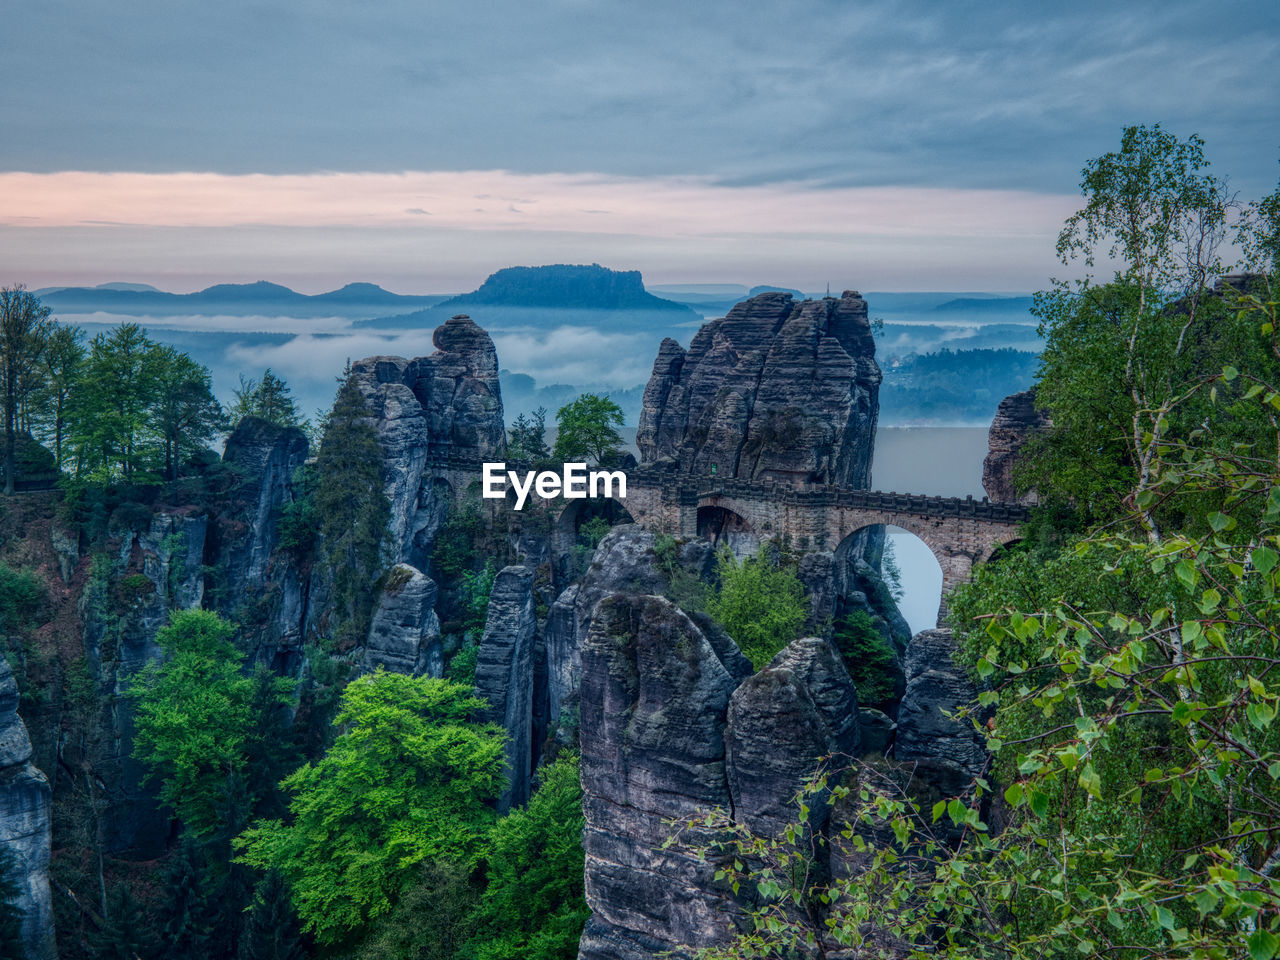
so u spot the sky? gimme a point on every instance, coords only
(889, 146)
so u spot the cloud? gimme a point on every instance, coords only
(576, 355)
(953, 95)
(647, 206)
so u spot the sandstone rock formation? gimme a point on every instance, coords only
(800, 708)
(777, 388)
(947, 752)
(1016, 421)
(624, 562)
(128, 597)
(404, 635)
(25, 824)
(504, 675)
(431, 408)
(266, 456)
(654, 700)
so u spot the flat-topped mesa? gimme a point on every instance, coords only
(779, 388)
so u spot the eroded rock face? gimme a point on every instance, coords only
(404, 635)
(781, 722)
(654, 700)
(445, 404)
(504, 675)
(1016, 421)
(266, 455)
(624, 562)
(153, 572)
(948, 752)
(777, 388)
(25, 824)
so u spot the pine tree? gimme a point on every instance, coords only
(23, 334)
(268, 398)
(353, 511)
(123, 935)
(271, 930)
(60, 365)
(185, 414)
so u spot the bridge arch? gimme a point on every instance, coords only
(578, 513)
(905, 561)
(721, 525)
(958, 544)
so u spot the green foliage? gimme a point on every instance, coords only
(527, 437)
(184, 415)
(353, 512)
(869, 658)
(406, 781)
(685, 589)
(299, 521)
(61, 363)
(109, 406)
(431, 919)
(462, 665)
(586, 429)
(21, 594)
(455, 548)
(761, 605)
(269, 399)
(1124, 361)
(593, 531)
(123, 934)
(532, 906)
(271, 929)
(24, 334)
(473, 594)
(195, 717)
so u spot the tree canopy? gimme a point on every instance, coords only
(407, 780)
(587, 429)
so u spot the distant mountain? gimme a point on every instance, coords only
(988, 304)
(236, 299)
(569, 286)
(548, 295)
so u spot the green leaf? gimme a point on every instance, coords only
(1263, 559)
(1039, 803)
(1186, 572)
(1260, 714)
(1263, 945)
(1090, 780)
(939, 809)
(1012, 795)
(1229, 373)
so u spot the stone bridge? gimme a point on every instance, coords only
(806, 517)
(959, 532)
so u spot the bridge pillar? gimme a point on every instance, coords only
(956, 568)
(688, 518)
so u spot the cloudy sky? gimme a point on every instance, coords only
(422, 145)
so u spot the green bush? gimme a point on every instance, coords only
(869, 658)
(455, 548)
(21, 594)
(761, 605)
